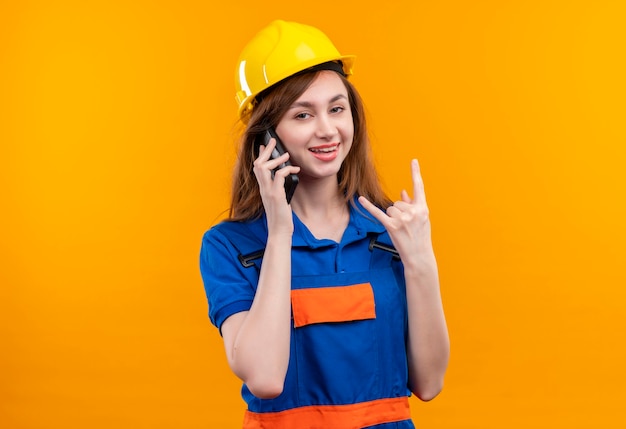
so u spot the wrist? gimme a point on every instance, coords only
(420, 264)
(282, 237)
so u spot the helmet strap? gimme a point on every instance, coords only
(336, 66)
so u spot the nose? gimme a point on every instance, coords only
(325, 128)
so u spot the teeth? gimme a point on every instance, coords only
(324, 150)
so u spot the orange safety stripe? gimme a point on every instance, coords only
(332, 304)
(353, 416)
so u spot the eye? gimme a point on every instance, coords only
(302, 115)
(337, 109)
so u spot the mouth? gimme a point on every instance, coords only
(325, 148)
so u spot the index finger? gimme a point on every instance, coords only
(380, 215)
(265, 151)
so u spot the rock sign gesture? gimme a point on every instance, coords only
(407, 222)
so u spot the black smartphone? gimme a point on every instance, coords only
(291, 181)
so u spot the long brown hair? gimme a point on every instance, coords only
(357, 175)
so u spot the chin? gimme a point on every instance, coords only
(318, 174)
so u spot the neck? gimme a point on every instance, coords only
(321, 207)
(321, 198)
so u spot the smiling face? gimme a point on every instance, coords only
(317, 129)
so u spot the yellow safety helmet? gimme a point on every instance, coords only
(278, 51)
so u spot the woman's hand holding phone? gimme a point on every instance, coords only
(291, 180)
(275, 176)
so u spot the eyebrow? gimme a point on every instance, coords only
(308, 104)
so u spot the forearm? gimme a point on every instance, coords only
(260, 353)
(429, 345)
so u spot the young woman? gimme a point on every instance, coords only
(328, 305)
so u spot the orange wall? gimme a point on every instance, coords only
(116, 123)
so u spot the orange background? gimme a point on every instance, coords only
(116, 132)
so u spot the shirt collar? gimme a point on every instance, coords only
(360, 225)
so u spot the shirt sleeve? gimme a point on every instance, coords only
(229, 287)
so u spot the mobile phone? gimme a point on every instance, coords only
(291, 181)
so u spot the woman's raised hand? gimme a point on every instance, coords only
(408, 222)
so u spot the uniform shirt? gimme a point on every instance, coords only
(348, 336)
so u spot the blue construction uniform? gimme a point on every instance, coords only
(343, 355)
